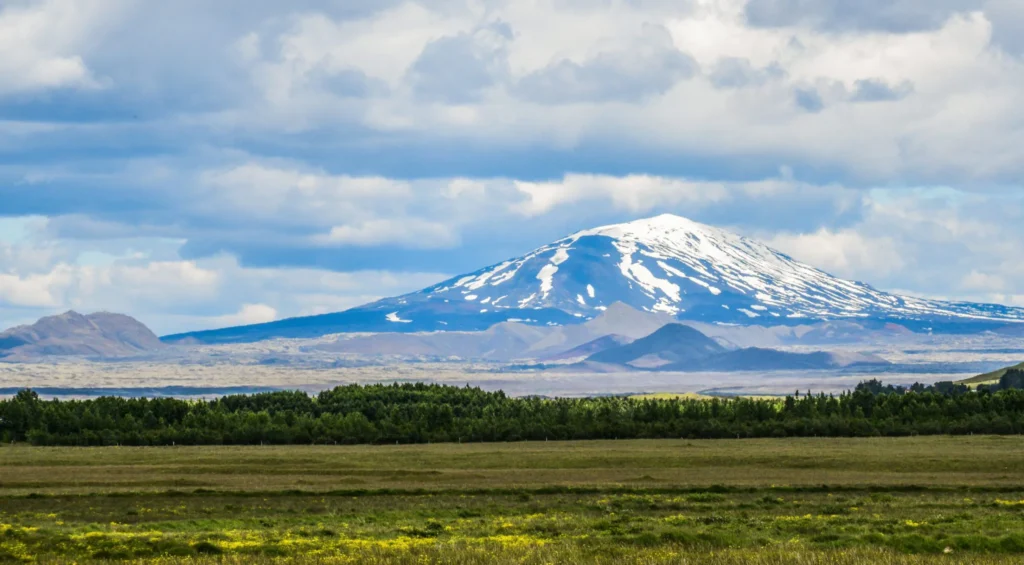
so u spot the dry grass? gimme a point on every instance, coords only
(925, 461)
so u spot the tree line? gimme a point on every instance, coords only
(421, 413)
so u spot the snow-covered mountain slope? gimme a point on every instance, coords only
(689, 270)
(666, 264)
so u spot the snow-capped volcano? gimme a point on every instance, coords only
(690, 270)
(666, 264)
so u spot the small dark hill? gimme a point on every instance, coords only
(673, 343)
(758, 359)
(676, 347)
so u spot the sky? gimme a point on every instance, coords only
(202, 164)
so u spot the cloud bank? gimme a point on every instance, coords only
(201, 164)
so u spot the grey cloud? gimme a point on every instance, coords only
(809, 99)
(348, 83)
(649, 66)
(457, 69)
(876, 90)
(1007, 17)
(734, 72)
(899, 16)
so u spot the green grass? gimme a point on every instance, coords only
(990, 378)
(829, 501)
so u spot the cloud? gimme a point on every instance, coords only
(69, 285)
(252, 153)
(457, 69)
(721, 202)
(179, 295)
(897, 16)
(1007, 17)
(33, 290)
(874, 90)
(409, 231)
(735, 72)
(636, 193)
(43, 42)
(645, 66)
(248, 314)
(845, 253)
(809, 99)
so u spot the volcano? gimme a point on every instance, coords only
(666, 264)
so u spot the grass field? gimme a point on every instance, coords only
(829, 501)
(990, 378)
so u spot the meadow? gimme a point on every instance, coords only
(805, 500)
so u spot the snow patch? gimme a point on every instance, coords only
(393, 317)
(590, 290)
(579, 298)
(546, 278)
(470, 297)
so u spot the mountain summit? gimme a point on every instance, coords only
(665, 264)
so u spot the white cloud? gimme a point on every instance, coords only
(845, 253)
(949, 95)
(409, 232)
(32, 290)
(248, 314)
(279, 194)
(636, 193)
(982, 282)
(643, 193)
(42, 43)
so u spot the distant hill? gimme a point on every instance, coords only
(507, 340)
(102, 334)
(676, 347)
(759, 359)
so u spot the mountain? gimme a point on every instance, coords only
(504, 341)
(102, 334)
(666, 264)
(672, 344)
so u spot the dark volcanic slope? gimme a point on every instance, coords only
(758, 359)
(97, 335)
(673, 343)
